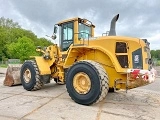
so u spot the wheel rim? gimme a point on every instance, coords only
(82, 83)
(27, 75)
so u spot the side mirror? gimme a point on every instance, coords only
(55, 29)
(54, 36)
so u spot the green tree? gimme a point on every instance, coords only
(22, 49)
(8, 23)
(43, 42)
(10, 33)
(158, 54)
(6, 36)
(153, 53)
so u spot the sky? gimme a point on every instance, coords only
(138, 18)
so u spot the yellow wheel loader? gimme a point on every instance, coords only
(89, 66)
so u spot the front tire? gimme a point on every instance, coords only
(87, 82)
(30, 77)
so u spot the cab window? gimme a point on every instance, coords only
(84, 31)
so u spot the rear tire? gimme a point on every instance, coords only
(30, 77)
(96, 80)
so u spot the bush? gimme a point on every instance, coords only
(22, 49)
(158, 63)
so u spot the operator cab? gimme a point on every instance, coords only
(73, 31)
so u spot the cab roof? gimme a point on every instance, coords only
(67, 20)
(75, 19)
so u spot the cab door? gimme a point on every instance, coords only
(67, 35)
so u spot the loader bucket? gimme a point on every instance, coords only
(12, 75)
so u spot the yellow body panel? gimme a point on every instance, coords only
(53, 52)
(100, 49)
(43, 65)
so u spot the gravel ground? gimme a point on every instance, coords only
(3, 70)
(158, 70)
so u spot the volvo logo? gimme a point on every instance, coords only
(136, 58)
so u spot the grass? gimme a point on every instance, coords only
(3, 65)
(158, 62)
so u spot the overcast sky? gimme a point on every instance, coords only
(138, 18)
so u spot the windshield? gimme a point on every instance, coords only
(84, 31)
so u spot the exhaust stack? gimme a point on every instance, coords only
(112, 31)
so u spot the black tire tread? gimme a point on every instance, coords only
(38, 84)
(104, 81)
(103, 78)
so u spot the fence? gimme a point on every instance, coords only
(10, 61)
